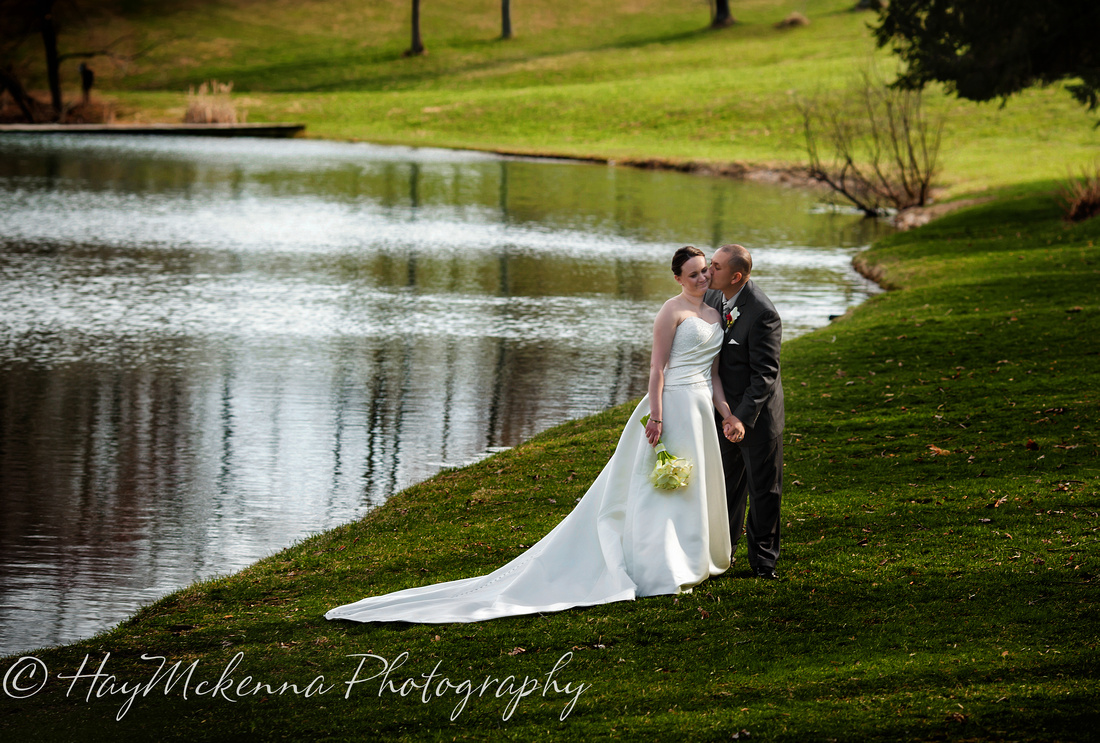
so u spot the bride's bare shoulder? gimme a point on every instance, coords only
(673, 311)
(668, 317)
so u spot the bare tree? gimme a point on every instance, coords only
(873, 145)
(22, 19)
(46, 27)
(417, 45)
(505, 19)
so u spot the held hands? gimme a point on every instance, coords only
(733, 429)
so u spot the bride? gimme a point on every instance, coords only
(626, 538)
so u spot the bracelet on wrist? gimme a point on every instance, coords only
(651, 420)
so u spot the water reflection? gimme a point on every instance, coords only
(209, 349)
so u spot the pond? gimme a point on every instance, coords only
(210, 348)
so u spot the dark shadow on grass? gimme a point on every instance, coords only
(258, 78)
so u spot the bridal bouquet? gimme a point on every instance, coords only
(671, 472)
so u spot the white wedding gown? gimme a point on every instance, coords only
(625, 538)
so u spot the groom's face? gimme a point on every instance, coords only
(722, 275)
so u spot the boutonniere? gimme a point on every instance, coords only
(731, 317)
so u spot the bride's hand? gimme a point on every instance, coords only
(653, 432)
(733, 429)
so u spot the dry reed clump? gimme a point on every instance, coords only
(212, 104)
(1081, 196)
(794, 20)
(93, 112)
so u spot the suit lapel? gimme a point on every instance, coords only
(742, 300)
(744, 296)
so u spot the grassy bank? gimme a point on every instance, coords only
(939, 569)
(639, 80)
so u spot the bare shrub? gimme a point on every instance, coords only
(211, 104)
(1081, 196)
(872, 145)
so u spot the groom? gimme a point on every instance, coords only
(752, 444)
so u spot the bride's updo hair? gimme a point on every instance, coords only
(682, 256)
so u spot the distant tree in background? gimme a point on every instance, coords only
(720, 16)
(20, 19)
(15, 26)
(983, 50)
(505, 19)
(417, 45)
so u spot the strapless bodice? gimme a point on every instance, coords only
(693, 349)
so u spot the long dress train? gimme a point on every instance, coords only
(625, 538)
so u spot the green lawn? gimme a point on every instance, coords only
(641, 80)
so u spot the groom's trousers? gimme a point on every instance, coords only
(754, 473)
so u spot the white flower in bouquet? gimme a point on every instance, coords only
(671, 473)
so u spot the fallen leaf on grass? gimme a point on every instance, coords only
(937, 451)
(516, 651)
(1031, 445)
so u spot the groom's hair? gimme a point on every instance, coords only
(739, 257)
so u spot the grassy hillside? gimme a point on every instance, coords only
(623, 80)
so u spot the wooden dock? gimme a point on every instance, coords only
(192, 130)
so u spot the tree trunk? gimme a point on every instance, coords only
(417, 46)
(722, 16)
(53, 63)
(505, 19)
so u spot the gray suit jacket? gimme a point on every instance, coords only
(749, 363)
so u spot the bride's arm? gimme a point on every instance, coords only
(718, 395)
(664, 328)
